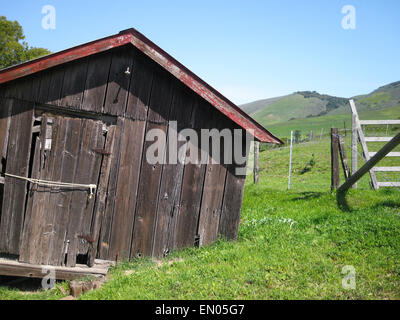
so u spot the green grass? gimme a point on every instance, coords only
(376, 99)
(292, 244)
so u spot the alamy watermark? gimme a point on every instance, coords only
(49, 280)
(49, 18)
(349, 280)
(211, 146)
(349, 20)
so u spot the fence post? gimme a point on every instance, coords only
(290, 160)
(256, 153)
(354, 146)
(334, 159)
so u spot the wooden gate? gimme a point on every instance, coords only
(58, 218)
(357, 133)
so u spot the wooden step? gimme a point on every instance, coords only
(12, 267)
(390, 154)
(388, 184)
(378, 139)
(386, 169)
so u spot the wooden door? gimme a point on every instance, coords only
(58, 219)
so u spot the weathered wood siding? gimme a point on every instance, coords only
(139, 208)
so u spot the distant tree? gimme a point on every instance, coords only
(12, 49)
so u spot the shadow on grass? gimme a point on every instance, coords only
(307, 196)
(342, 202)
(30, 285)
(344, 206)
(389, 204)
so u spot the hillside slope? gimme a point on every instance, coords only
(315, 111)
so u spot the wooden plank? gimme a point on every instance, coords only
(146, 204)
(34, 237)
(44, 87)
(49, 204)
(390, 154)
(55, 86)
(150, 174)
(354, 146)
(96, 82)
(118, 82)
(128, 180)
(233, 196)
(214, 184)
(378, 139)
(379, 122)
(140, 89)
(256, 155)
(68, 166)
(192, 186)
(172, 174)
(29, 223)
(335, 159)
(371, 163)
(9, 267)
(19, 147)
(386, 169)
(5, 117)
(389, 184)
(98, 141)
(363, 142)
(101, 198)
(210, 211)
(74, 84)
(87, 172)
(106, 225)
(343, 157)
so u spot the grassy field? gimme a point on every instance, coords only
(315, 124)
(292, 244)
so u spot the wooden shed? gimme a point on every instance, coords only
(75, 185)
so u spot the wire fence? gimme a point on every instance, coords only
(312, 163)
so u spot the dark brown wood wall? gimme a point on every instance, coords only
(142, 209)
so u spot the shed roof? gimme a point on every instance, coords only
(132, 36)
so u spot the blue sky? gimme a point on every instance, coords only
(247, 50)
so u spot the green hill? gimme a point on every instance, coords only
(309, 110)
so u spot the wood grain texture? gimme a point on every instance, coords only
(106, 225)
(128, 179)
(101, 198)
(233, 197)
(19, 147)
(55, 86)
(118, 82)
(96, 82)
(335, 159)
(25, 241)
(150, 174)
(140, 89)
(68, 165)
(48, 205)
(87, 172)
(172, 174)
(193, 181)
(32, 241)
(74, 84)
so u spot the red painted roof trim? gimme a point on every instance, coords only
(154, 52)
